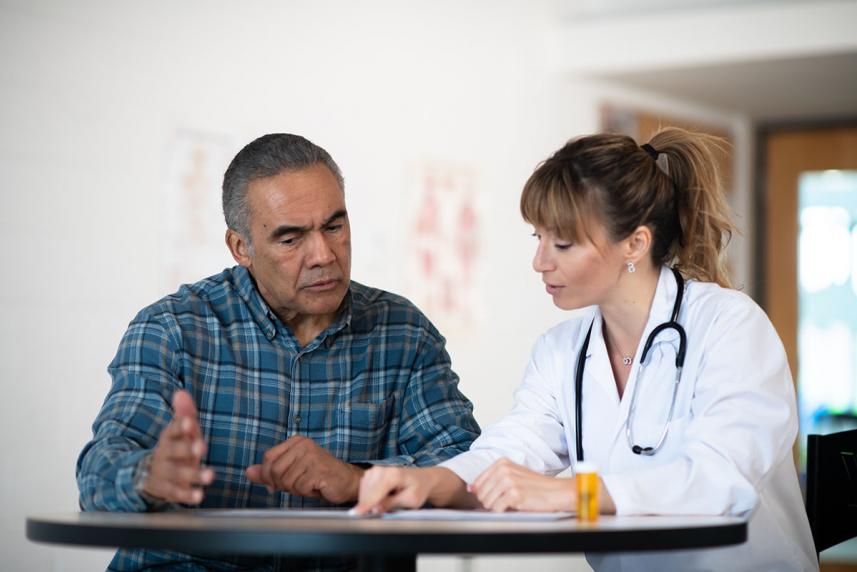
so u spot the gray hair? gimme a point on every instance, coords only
(267, 156)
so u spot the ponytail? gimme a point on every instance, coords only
(671, 185)
(705, 227)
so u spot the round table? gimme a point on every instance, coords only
(380, 544)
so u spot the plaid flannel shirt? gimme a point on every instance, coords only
(374, 387)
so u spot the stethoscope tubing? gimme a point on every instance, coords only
(672, 324)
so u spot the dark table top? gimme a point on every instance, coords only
(204, 532)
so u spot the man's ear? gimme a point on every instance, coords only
(239, 247)
(638, 244)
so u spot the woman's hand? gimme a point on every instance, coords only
(508, 486)
(385, 488)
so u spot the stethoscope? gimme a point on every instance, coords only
(629, 422)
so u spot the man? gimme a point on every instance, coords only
(276, 382)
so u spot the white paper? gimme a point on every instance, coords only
(419, 514)
(449, 514)
(286, 513)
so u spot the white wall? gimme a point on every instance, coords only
(91, 94)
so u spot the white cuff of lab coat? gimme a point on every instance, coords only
(469, 465)
(621, 490)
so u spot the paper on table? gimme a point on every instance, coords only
(450, 514)
(420, 514)
(286, 513)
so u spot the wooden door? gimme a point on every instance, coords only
(788, 154)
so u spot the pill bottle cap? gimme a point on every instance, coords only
(585, 467)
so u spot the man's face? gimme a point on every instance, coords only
(301, 242)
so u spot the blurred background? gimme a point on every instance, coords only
(118, 119)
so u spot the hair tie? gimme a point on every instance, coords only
(653, 153)
(660, 158)
(663, 164)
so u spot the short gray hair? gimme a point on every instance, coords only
(267, 156)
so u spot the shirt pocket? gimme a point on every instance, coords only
(361, 430)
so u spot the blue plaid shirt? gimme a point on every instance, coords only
(374, 387)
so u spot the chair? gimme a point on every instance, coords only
(831, 487)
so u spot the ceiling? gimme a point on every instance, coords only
(801, 88)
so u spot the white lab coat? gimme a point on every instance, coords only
(729, 447)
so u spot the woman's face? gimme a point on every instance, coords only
(580, 274)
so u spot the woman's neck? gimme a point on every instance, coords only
(626, 311)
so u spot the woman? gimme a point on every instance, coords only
(704, 425)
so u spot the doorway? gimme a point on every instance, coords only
(807, 274)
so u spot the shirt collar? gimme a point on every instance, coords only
(262, 315)
(267, 320)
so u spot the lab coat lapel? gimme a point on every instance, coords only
(600, 399)
(598, 370)
(656, 368)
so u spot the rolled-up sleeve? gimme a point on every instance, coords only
(144, 376)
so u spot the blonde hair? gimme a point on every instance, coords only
(611, 179)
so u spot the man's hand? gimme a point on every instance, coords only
(508, 486)
(300, 467)
(175, 472)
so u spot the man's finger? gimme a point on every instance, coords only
(183, 405)
(286, 471)
(185, 410)
(256, 475)
(279, 449)
(178, 483)
(267, 466)
(183, 450)
(185, 476)
(270, 457)
(185, 495)
(307, 485)
(173, 430)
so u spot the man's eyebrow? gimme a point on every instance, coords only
(335, 216)
(284, 229)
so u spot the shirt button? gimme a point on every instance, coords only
(297, 419)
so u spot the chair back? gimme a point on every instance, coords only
(831, 487)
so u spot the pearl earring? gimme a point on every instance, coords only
(631, 267)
